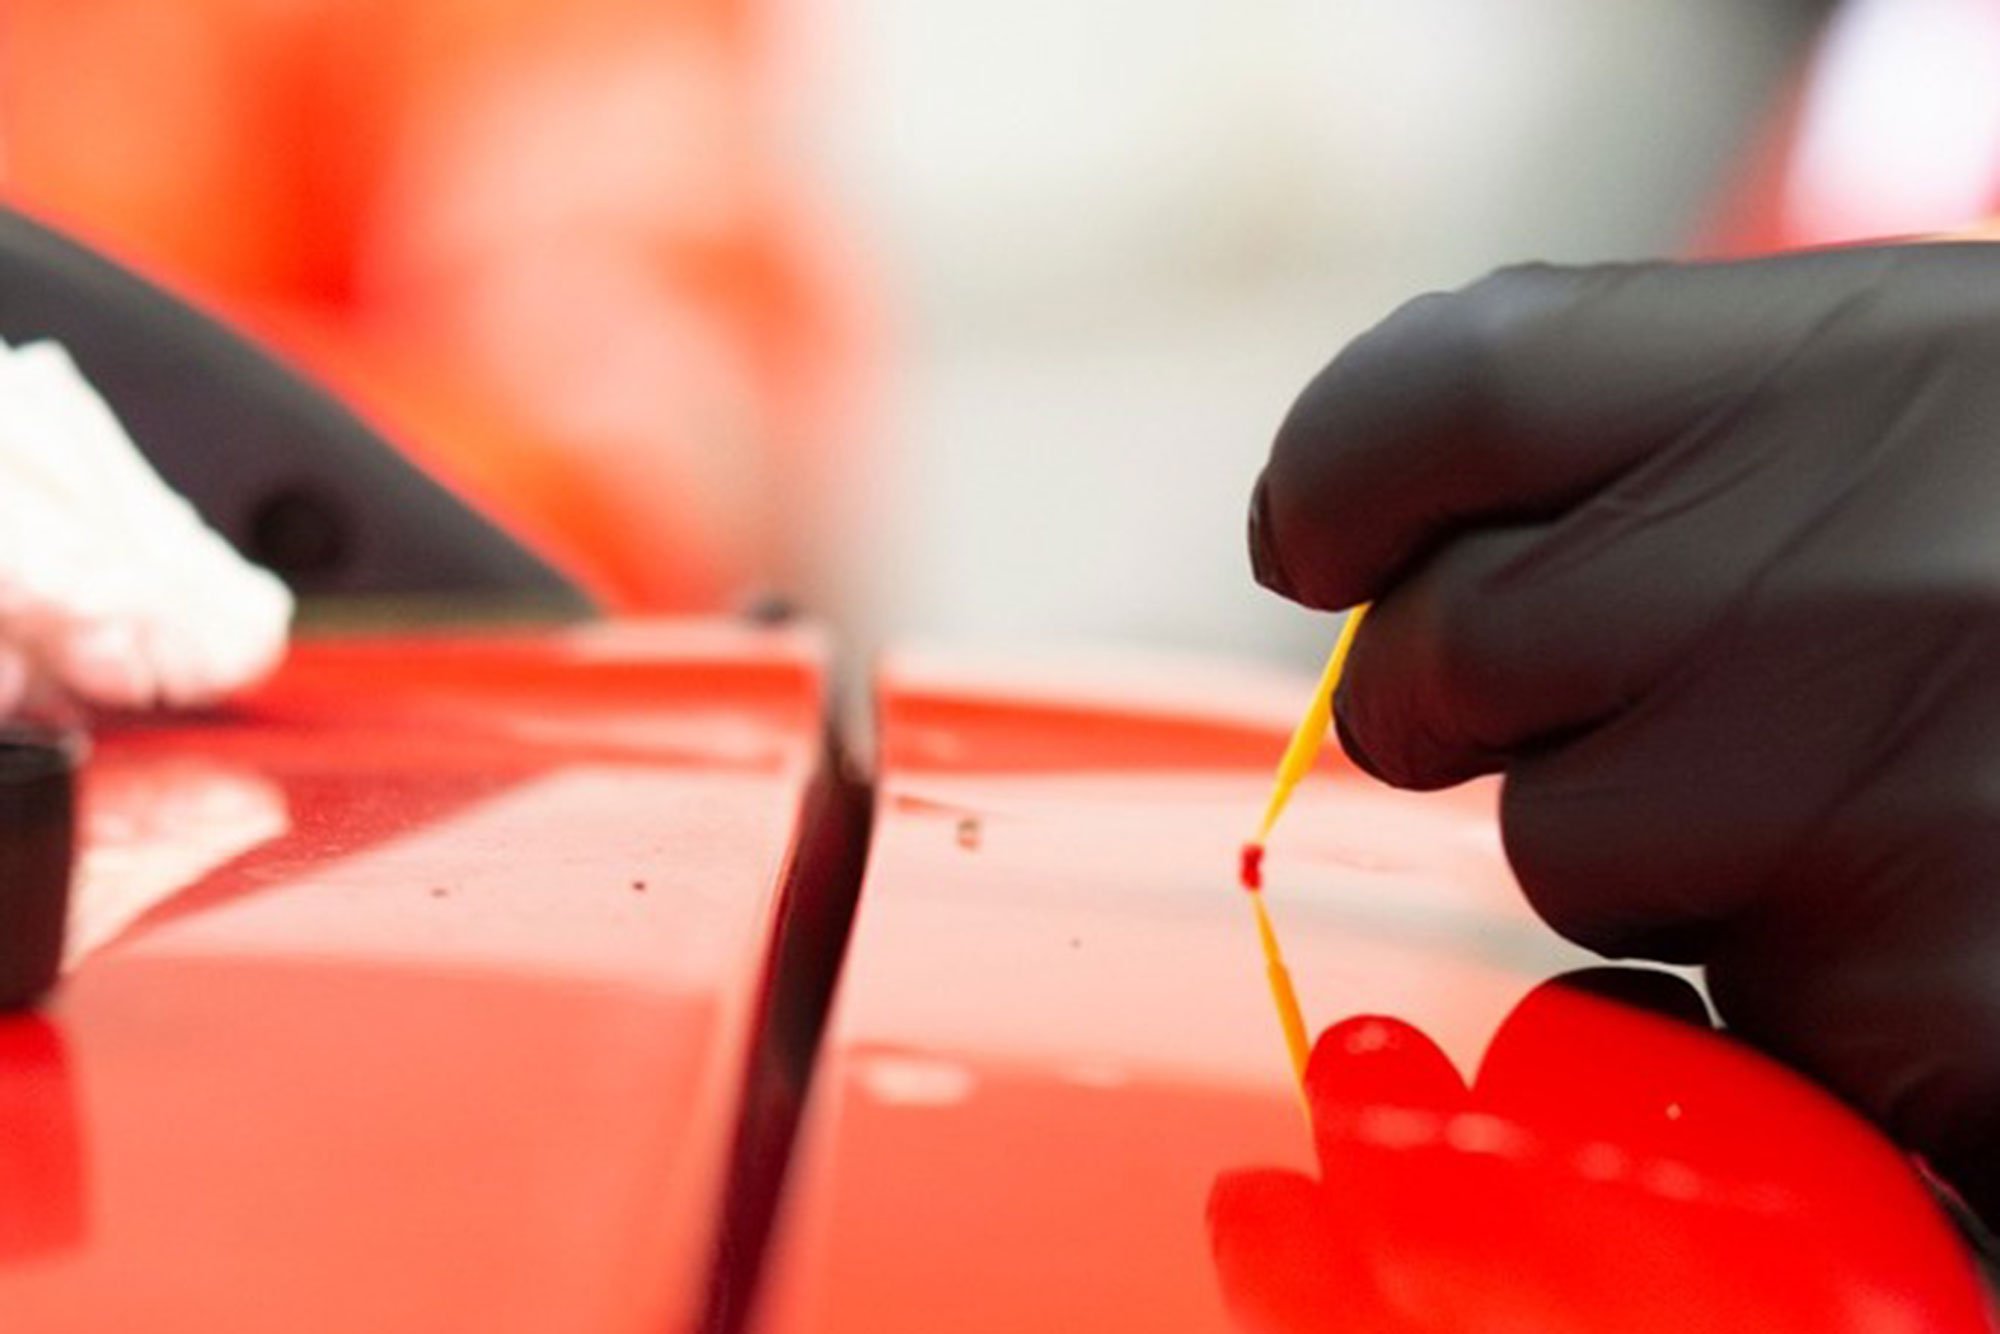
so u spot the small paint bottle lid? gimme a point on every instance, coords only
(38, 768)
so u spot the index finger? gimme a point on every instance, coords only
(1518, 397)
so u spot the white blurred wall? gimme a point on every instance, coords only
(1119, 236)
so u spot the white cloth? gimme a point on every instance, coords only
(111, 586)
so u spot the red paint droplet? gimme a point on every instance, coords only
(1251, 870)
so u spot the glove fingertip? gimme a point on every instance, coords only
(1350, 742)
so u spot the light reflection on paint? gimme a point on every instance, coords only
(915, 1081)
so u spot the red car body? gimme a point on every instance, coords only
(455, 1036)
(473, 1028)
(1055, 1094)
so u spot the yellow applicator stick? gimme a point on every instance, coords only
(1283, 998)
(1302, 750)
(1298, 759)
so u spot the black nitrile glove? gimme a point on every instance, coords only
(1706, 558)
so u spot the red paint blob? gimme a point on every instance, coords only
(1251, 869)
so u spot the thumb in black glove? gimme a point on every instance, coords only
(1706, 559)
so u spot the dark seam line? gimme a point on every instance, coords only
(822, 885)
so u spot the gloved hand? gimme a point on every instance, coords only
(1706, 559)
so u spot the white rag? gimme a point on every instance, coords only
(111, 586)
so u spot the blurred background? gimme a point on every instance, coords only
(956, 321)
(1122, 234)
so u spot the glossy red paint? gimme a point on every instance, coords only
(1055, 1096)
(415, 992)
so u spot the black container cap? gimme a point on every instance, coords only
(38, 769)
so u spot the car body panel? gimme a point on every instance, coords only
(413, 992)
(1054, 1093)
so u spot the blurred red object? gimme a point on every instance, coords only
(1891, 127)
(554, 247)
(1688, 1185)
(43, 1168)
